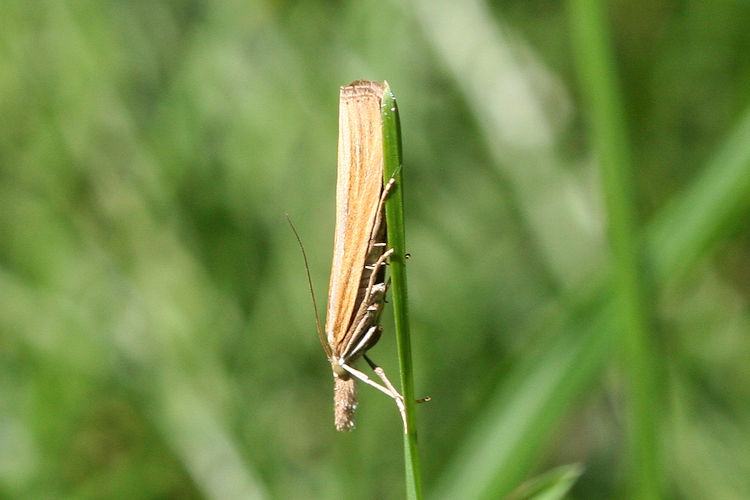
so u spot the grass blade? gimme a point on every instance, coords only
(394, 210)
(506, 438)
(552, 485)
(599, 87)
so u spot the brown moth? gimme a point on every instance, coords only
(357, 288)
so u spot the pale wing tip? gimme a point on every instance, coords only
(363, 87)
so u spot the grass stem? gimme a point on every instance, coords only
(394, 211)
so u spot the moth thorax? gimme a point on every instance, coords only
(344, 403)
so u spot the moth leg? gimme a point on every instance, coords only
(374, 276)
(369, 291)
(390, 391)
(367, 316)
(372, 296)
(362, 323)
(380, 261)
(367, 380)
(381, 374)
(379, 214)
(366, 340)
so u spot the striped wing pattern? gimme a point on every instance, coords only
(358, 191)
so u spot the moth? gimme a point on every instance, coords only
(357, 288)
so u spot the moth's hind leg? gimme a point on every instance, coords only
(388, 389)
(381, 374)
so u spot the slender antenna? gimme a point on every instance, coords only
(312, 291)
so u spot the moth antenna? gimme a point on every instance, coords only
(312, 291)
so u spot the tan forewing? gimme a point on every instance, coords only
(358, 189)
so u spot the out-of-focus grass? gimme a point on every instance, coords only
(631, 279)
(156, 338)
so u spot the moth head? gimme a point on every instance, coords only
(338, 370)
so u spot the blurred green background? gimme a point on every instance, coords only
(156, 332)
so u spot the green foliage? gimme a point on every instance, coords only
(551, 485)
(156, 335)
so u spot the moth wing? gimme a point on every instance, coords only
(358, 189)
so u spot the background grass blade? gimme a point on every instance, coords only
(518, 420)
(600, 89)
(708, 211)
(148, 152)
(552, 485)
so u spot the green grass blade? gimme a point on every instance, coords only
(506, 438)
(394, 210)
(715, 203)
(552, 485)
(509, 434)
(600, 89)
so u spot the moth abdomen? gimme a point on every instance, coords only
(344, 402)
